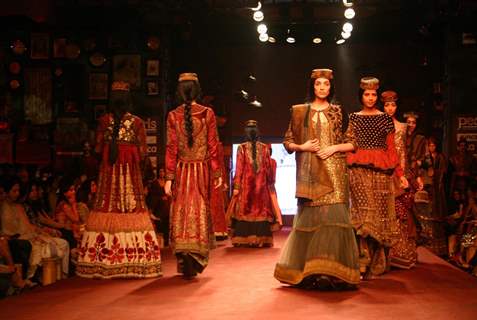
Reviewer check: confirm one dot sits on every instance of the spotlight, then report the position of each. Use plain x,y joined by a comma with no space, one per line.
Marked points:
340,41
243,95
262,28
251,78
258,16
290,38
347,3
255,103
263,37
258,7
347,27
272,39
317,40
349,13
345,34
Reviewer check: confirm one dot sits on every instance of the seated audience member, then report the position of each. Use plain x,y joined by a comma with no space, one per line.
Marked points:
67,212
468,231
453,221
15,223
10,273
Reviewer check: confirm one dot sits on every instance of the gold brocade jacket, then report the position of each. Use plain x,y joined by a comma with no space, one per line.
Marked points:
312,178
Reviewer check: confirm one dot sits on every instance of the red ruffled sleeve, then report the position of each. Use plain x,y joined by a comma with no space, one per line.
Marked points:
212,143
171,147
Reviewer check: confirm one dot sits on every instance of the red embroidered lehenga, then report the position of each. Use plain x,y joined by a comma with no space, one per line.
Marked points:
190,169
119,241
252,210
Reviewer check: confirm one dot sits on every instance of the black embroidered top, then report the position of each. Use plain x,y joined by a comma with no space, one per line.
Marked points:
371,131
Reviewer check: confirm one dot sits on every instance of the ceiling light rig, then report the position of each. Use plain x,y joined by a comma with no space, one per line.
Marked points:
344,34
262,29
347,28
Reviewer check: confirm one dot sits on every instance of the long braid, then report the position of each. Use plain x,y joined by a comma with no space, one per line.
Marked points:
189,127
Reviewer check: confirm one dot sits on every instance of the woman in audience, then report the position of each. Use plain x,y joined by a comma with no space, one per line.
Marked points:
15,223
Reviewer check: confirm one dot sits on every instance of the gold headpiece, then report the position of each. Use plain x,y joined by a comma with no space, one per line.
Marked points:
120,86
251,123
322,73
389,96
411,114
188,76
369,83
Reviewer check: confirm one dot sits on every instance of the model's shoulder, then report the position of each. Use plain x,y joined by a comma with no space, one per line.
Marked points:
302,106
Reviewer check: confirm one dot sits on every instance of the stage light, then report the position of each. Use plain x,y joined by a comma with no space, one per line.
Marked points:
347,3
317,40
340,41
258,16
255,103
345,34
347,27
262,28
349,13
272,39
290,37
258,7
263,37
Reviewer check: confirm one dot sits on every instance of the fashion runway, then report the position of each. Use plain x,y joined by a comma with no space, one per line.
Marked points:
239,284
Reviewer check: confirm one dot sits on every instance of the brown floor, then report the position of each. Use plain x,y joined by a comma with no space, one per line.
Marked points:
239,284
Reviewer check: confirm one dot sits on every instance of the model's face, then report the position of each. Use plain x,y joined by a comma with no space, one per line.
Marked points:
34,193
70,193
322,88
432,147
369,98
94,187
14,192
411,124
390,108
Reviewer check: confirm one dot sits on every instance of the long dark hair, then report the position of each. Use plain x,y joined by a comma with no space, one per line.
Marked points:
310,96
252,135
64,186
360,97
119,104
188,91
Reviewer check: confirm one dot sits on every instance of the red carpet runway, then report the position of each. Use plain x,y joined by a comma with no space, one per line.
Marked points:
239,284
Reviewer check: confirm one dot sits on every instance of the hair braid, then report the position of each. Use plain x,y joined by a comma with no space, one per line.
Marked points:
188,124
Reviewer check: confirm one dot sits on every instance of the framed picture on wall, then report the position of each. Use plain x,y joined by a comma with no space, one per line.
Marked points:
127,67
98,86
59,48
152,68
40,46
152,88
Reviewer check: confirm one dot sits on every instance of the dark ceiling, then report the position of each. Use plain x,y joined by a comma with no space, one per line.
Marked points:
230,21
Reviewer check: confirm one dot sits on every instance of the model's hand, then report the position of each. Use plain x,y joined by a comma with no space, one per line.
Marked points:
403,182
236,192
327,152
167,188
310,146
218,182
